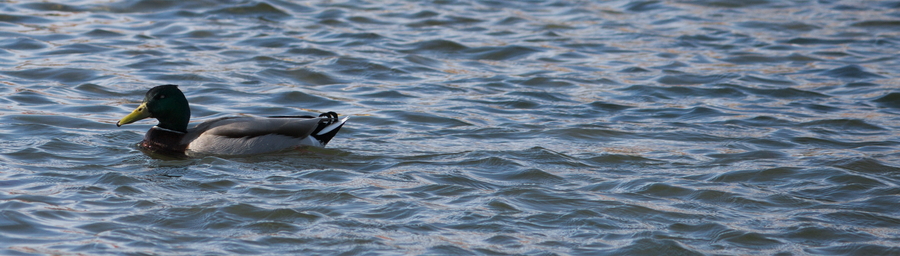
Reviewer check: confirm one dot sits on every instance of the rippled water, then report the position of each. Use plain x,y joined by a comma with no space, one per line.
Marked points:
477,127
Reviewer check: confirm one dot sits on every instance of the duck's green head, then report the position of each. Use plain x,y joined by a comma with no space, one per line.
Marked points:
165,103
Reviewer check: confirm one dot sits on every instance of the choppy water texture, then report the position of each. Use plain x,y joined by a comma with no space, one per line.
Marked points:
477,127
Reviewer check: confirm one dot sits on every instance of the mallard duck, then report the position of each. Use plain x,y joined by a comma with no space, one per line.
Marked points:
227,135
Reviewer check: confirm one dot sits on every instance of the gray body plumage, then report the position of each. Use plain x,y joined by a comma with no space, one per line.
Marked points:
254,135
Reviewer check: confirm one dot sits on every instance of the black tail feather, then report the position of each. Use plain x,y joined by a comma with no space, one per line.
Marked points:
326,137
329,118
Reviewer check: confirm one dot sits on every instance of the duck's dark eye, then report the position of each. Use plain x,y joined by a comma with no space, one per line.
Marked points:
161,96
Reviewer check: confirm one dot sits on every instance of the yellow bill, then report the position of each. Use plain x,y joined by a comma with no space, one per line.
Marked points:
139,113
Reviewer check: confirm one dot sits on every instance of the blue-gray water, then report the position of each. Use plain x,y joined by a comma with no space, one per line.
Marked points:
477,127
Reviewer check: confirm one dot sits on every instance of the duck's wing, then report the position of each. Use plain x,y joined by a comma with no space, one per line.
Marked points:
248,127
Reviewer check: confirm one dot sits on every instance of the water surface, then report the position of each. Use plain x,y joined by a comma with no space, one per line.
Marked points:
477,127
